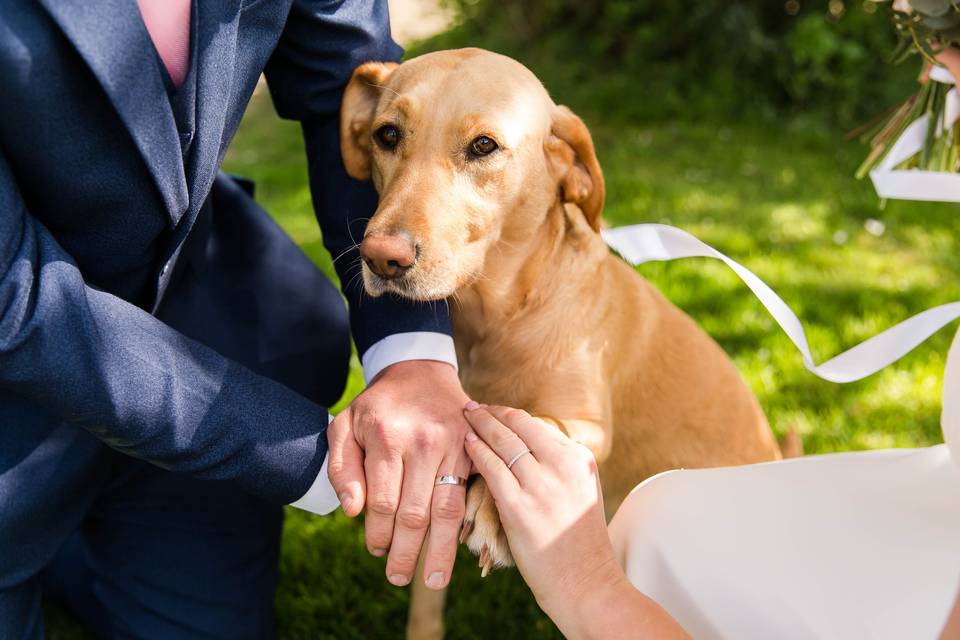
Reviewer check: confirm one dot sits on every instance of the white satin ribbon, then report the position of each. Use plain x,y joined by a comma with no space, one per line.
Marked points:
656,242
914,184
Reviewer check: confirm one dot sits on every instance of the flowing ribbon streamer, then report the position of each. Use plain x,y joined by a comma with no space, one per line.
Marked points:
914,184
657,242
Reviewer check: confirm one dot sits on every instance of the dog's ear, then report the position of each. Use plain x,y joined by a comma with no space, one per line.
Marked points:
574,164
356,114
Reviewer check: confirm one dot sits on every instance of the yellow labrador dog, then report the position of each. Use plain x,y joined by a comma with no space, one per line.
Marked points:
490,197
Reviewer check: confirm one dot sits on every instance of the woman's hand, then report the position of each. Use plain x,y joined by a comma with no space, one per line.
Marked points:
552,512
549,501
950,58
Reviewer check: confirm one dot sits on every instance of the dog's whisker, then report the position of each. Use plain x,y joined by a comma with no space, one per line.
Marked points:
456,299
481,276
346,251
350,233
357,278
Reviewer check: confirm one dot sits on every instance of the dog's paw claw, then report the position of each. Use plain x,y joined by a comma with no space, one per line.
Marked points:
485,563
466,530
482,532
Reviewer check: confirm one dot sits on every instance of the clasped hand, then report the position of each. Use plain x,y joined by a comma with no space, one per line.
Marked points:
387,450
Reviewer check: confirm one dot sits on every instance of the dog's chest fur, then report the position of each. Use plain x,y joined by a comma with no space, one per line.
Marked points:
533,347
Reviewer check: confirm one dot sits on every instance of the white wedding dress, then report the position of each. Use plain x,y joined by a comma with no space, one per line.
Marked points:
847,545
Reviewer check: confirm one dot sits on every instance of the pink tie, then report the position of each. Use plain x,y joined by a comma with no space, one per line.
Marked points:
168,22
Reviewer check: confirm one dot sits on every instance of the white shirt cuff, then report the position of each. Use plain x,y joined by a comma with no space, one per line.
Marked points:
320,498
413,345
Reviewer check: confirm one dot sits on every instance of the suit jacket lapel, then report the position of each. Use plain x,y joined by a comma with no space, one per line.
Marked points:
111,38
216,44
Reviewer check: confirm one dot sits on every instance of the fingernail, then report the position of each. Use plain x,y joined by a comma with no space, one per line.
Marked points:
346,500
398,580
378,553
471,436
470,406
435,580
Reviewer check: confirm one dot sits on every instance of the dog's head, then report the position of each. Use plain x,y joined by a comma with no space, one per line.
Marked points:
465,148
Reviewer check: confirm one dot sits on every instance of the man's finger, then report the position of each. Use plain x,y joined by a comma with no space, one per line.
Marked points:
413,518
384,470
446,516
345,465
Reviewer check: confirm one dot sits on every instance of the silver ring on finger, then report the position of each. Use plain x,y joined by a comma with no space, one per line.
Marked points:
452,480
516,457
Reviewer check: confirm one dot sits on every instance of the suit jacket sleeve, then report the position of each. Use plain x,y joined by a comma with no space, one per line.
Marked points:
146,390
322,44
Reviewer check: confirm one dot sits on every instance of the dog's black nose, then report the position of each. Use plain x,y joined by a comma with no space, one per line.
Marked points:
388,256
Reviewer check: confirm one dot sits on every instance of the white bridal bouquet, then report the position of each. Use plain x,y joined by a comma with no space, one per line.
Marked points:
916,143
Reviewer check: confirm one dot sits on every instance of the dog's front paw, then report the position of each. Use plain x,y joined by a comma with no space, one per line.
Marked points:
482,532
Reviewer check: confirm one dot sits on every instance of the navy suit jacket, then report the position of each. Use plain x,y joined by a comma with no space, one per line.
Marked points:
126,273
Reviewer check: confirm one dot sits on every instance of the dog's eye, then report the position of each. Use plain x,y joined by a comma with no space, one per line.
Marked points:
482,146
387,136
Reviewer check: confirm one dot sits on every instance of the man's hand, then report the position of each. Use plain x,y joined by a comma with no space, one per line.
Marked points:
387,450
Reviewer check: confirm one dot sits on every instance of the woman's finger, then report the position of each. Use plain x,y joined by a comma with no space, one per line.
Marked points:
505,443
501,481
541,436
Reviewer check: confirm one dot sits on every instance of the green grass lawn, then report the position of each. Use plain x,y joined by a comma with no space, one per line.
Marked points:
777,196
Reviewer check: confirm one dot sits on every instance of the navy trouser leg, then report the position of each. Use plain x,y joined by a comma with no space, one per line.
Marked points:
20,617
169,557
50,474
69,579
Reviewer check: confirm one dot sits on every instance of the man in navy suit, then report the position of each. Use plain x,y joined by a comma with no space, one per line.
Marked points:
166,352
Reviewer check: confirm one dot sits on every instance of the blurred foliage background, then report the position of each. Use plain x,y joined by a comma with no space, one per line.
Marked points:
709,58
723,117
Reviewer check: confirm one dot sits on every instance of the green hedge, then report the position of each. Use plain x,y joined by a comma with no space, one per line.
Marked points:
661,58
